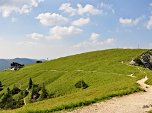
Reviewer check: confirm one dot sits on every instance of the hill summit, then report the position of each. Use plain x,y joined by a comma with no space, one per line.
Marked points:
73,81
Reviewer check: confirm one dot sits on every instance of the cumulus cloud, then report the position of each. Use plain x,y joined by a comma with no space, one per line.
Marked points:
56,33
66,7
94,41
50,19
129,21
149,23
90,9
110,41
80,10
36,36
7,7
59,32
81,22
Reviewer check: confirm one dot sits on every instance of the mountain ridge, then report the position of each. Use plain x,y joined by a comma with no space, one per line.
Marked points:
5,63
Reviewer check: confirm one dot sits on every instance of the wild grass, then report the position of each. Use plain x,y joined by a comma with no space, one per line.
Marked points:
105,72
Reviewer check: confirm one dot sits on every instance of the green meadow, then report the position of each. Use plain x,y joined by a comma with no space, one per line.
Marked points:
105,72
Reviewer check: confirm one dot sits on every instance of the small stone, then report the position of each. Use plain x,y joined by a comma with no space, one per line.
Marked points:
145,106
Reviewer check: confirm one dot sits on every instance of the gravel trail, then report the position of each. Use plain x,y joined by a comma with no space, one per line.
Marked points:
140,102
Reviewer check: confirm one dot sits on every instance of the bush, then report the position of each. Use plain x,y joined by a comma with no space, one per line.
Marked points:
35,93
7,97
44,94
1,88
24,93
39,61
15,90
81,84
19,103
138,61
7,100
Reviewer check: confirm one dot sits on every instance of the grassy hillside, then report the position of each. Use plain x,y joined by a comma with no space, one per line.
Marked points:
106,73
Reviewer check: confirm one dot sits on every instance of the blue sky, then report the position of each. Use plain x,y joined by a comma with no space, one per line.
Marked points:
55,28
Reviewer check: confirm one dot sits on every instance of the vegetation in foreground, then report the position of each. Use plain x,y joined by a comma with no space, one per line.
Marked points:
105,74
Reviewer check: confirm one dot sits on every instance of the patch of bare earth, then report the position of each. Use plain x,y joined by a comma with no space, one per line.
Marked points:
134,103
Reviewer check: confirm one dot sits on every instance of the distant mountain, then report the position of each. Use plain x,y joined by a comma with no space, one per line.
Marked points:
5,63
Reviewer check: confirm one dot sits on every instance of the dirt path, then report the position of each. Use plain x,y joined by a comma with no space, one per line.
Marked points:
135,103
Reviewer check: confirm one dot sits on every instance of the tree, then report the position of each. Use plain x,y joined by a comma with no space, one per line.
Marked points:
39,61
30,83
1,86
44,92
35,92
15,90
24,93
7,100
7,97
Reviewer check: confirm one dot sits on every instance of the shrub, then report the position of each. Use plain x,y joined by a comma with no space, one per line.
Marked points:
44,93
15,90
7,100
24,93
19,103
35,93
39,61
138,61
81,84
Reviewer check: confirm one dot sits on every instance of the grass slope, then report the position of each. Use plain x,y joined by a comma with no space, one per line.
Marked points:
103,71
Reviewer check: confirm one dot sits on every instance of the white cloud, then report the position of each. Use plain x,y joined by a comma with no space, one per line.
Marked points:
81,22
150,4
7,7
59,32
94,38
149,23
56,33
110,41
80,10
129,21
66,7
125,21
90,9
94,41
36,36
50,19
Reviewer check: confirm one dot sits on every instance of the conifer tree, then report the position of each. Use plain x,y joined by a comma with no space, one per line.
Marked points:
7,100
32,93
1,86
30,83
44,92
15,90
